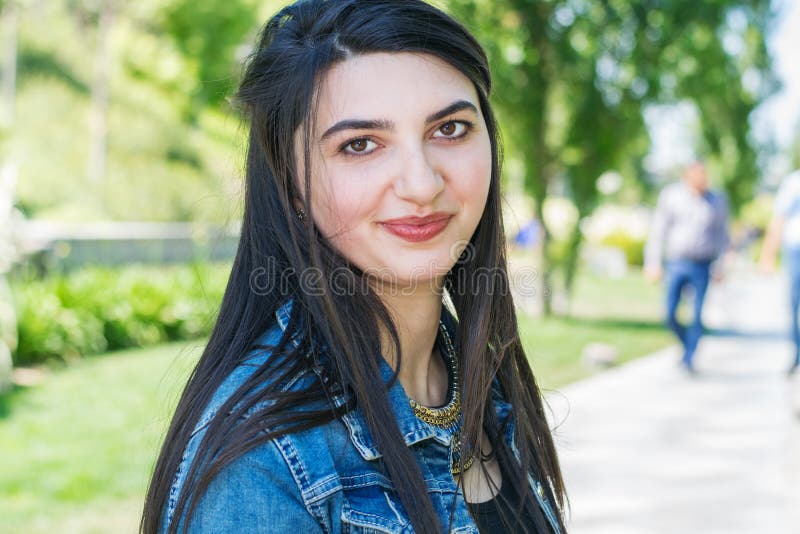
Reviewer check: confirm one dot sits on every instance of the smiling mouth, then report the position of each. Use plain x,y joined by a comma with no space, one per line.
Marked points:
416,233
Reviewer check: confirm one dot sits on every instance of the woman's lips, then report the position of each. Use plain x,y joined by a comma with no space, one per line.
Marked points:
418,232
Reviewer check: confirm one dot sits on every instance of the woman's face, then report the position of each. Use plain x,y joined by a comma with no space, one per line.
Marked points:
398,136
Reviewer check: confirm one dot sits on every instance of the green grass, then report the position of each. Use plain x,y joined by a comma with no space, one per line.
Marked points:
76,449
625,313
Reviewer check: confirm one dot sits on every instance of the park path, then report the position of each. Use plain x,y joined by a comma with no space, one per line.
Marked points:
647,449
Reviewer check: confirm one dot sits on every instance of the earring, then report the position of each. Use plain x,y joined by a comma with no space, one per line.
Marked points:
301,214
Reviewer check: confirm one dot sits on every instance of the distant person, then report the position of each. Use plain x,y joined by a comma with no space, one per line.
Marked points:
784,233
689,233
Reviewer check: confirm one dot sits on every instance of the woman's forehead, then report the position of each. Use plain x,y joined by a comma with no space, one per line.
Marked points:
390,86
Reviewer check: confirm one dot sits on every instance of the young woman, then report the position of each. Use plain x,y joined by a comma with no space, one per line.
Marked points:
365,373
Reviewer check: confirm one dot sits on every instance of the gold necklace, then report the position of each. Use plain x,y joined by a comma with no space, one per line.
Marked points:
447,417
455,457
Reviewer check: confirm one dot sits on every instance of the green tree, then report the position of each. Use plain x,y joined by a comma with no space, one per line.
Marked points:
101,15
208,34
573,78
112,63
9,21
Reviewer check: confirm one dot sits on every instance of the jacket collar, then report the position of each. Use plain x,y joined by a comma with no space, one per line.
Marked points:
413,429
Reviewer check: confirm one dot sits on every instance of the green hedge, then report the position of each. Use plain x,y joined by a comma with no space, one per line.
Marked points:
98,309
632,246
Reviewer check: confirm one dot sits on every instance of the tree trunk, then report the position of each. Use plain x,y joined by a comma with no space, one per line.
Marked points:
546,293
539,167
9,21
571,262
98,110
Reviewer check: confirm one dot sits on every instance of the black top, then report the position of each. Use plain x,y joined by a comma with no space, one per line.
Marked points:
489,515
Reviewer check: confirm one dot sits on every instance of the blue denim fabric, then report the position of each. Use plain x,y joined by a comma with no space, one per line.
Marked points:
329,478
791,256
679,274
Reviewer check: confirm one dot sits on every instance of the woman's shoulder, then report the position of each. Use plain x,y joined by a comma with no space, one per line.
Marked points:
255,463
256,492
280,483
261,349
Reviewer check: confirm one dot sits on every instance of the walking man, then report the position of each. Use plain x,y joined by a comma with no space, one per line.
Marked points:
688,234
784,229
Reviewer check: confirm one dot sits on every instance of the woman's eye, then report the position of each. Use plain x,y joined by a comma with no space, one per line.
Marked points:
452,129
359,147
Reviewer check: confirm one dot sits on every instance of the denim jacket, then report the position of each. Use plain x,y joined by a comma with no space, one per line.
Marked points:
328,478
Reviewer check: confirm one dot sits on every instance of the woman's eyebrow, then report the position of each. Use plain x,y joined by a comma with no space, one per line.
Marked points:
359,124
458,105
356,124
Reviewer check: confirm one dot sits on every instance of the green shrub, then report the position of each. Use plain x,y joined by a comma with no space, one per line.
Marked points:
558,251
98,309
757,212
632,246
47,329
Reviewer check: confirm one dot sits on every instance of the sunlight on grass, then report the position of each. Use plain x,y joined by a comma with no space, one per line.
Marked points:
624,313
82,442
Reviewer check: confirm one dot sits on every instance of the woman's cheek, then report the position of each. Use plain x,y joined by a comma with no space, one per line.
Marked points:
472,179
346,202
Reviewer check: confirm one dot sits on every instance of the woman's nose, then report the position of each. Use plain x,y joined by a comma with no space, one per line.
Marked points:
419,179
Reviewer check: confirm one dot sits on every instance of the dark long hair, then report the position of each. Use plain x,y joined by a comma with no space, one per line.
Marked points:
278,95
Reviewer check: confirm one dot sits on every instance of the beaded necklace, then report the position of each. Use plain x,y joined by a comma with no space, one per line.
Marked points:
447,417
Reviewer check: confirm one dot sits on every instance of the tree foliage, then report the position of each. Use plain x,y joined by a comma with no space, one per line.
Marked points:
573,78
170,142
208,34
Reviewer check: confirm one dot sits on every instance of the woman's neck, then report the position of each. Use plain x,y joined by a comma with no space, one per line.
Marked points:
423,373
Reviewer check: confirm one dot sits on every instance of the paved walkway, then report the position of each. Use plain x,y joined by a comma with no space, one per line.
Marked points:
646,449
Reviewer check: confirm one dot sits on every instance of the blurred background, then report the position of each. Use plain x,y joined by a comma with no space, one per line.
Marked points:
121,162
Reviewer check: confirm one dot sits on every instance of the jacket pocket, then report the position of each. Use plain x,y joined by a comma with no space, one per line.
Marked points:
373,509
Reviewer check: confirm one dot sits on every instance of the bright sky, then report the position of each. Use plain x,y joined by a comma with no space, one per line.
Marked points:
780,115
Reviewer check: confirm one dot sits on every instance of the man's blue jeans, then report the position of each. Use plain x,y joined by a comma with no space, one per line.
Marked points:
679,274
791,257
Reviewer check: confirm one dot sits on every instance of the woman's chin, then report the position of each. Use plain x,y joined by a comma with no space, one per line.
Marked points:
409,281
